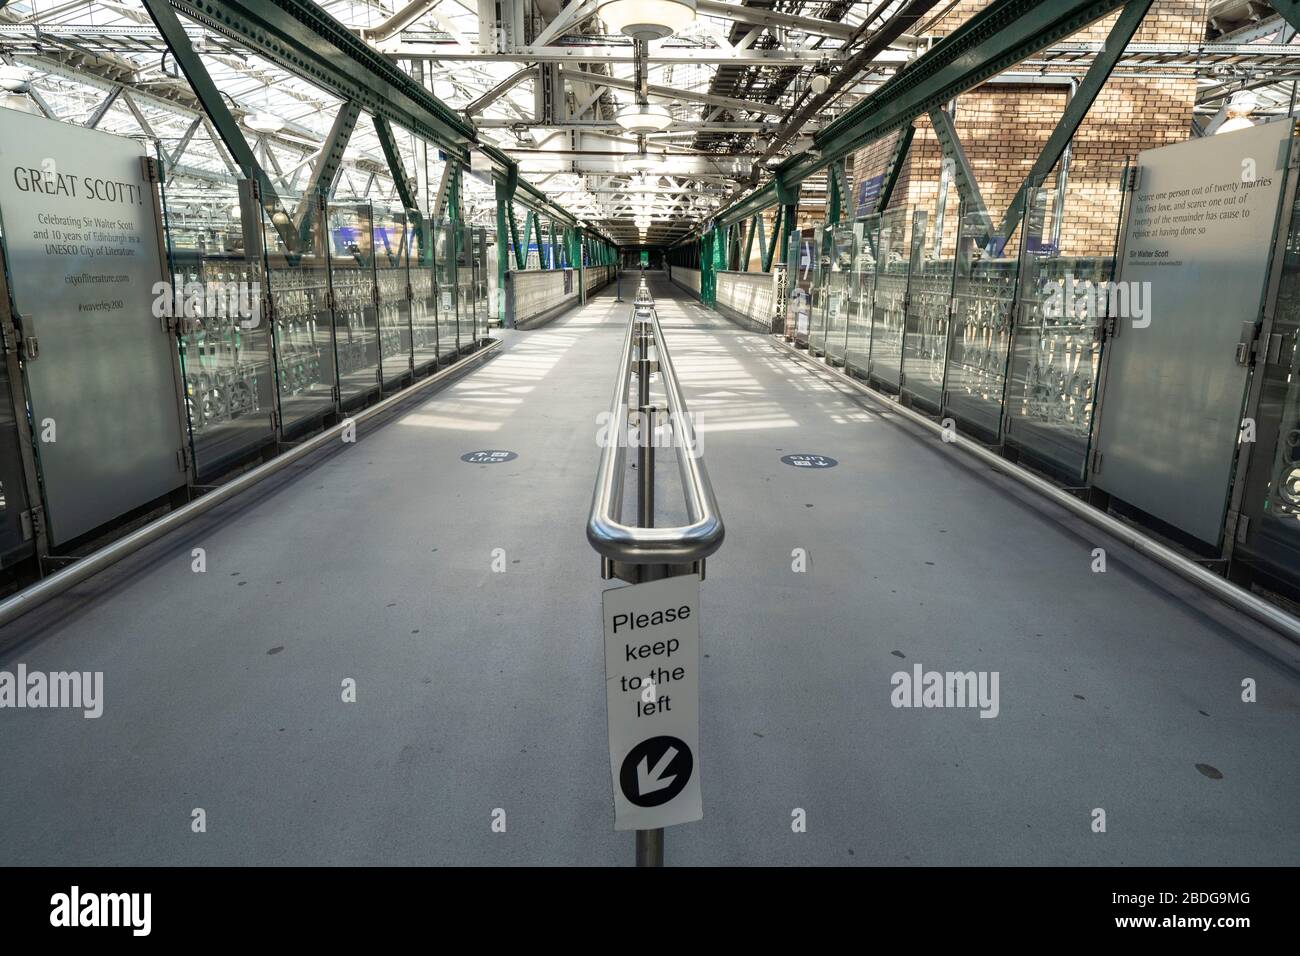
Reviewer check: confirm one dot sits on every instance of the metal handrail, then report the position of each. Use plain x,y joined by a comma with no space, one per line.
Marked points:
606,531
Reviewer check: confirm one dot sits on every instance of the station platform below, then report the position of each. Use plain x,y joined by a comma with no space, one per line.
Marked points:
463,601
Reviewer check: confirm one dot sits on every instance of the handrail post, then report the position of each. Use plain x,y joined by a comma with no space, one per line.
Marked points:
645,553
649,843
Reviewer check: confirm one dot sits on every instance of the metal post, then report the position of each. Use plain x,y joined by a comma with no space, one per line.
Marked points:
627,552
645,502
649,843
650,847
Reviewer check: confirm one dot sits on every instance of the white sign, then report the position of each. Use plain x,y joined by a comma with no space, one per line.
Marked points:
652,695
81,241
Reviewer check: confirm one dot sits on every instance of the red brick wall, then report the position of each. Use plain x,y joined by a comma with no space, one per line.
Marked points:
1003,128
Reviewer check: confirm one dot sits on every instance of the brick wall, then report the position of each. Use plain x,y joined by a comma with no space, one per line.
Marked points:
1004,127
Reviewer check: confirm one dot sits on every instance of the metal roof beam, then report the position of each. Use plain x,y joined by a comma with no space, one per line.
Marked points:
671,93
770,18
453,53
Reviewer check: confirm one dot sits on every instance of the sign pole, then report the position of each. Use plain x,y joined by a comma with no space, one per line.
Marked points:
649,843
652,627
650,847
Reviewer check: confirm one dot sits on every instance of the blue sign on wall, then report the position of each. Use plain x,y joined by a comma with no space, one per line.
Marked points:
868,193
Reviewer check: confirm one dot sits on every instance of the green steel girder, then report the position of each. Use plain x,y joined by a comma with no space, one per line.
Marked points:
768,251
993,40
755,225
895,167
299,36
407,190
755,202
178,41
520,259
1290,10
789,221
1126,24
325,167
503,243
837,180
949,143
537,234
457,213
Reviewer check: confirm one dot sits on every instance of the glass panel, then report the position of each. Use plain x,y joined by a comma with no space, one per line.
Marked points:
481,282
798,272
858,353
490,279
929,297
424,301
445,272
391,243
840,290
1056,348
225,346
298,284
13,491
465,285
821,267
352,278
983,294
1271,503
888,316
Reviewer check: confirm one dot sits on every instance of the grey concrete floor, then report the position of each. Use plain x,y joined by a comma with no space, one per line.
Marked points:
479,690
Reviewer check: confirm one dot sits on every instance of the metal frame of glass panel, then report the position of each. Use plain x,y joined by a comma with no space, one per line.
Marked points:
841,287
889,311
444,260
298,287
929,304
822,239
391,244
857,354
798,279
465,287
225,344
424,299
16,533
984,295
1267,535
1056,345
481,272
352,286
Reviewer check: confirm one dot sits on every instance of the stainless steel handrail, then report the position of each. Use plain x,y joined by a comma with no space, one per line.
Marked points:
605,528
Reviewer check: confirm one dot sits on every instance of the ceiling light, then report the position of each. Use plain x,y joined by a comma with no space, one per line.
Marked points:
642,162
647,19
14,79
264,121
1238,110
644,118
